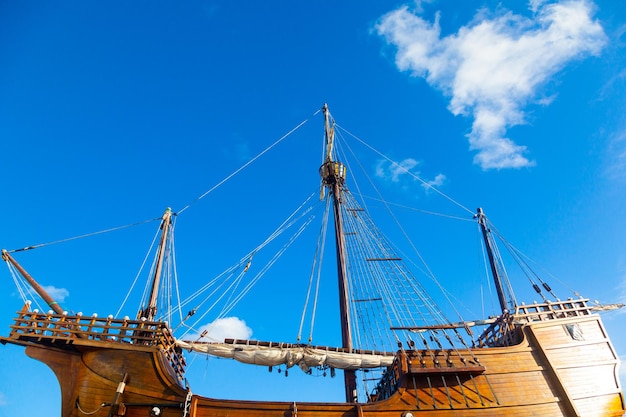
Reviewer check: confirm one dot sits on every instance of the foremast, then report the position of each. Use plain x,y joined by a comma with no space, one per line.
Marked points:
149,311
333,175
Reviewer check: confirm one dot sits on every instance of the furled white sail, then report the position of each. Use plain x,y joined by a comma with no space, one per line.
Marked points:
304,356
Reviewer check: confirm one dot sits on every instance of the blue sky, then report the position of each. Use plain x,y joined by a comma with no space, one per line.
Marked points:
111,112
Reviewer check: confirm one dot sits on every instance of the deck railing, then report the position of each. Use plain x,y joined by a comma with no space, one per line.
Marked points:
552,310
388,384
59,329
503,331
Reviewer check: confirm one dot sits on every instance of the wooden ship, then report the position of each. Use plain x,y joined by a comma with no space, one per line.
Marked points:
548,358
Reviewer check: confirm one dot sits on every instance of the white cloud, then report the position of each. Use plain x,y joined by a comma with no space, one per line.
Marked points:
493,67
58,294
438,181
225,328
395,171
392,171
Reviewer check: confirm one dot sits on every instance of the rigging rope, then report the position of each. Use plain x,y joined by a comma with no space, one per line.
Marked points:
229,306
429,273
23,288
319,268
424,183
291,219
397,294
238,170
41,245
433,213
522,261
297,215
143,264
395,306
486,270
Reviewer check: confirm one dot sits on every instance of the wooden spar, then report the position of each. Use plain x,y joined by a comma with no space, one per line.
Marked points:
38,288
149,312
459,325
482,221
333,176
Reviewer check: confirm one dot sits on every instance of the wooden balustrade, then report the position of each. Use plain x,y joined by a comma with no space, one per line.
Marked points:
59,329
503,331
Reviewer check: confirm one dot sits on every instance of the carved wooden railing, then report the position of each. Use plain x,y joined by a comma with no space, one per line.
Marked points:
503,332
64,329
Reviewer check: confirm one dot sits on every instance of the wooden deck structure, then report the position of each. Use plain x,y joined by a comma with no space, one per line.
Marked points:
548,359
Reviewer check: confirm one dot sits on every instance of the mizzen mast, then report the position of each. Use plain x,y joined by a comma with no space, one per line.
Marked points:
333,175
149,312
497,271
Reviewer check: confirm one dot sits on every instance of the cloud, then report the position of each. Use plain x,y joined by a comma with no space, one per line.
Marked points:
57,294
225,328
438,181
395,171
392,171
494,66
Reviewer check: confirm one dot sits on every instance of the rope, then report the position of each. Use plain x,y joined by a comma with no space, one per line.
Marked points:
237,171
428,272
143,264
319,268
424,183
318,253
522,260
227,308
432,213
227,275
399,289
88,413
292,219
18,282
82,236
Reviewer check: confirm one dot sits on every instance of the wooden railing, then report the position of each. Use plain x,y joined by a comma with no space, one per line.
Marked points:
388,384
59,329
499,333
503,332
552,310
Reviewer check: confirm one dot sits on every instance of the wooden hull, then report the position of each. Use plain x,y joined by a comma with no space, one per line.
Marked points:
549,373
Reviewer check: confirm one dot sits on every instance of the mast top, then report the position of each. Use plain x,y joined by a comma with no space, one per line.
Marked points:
329,129
332,172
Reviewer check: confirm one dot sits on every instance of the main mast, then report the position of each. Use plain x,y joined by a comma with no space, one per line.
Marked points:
333,177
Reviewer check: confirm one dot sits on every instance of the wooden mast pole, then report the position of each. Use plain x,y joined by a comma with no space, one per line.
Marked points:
34,284
333,177
482,221
149,312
